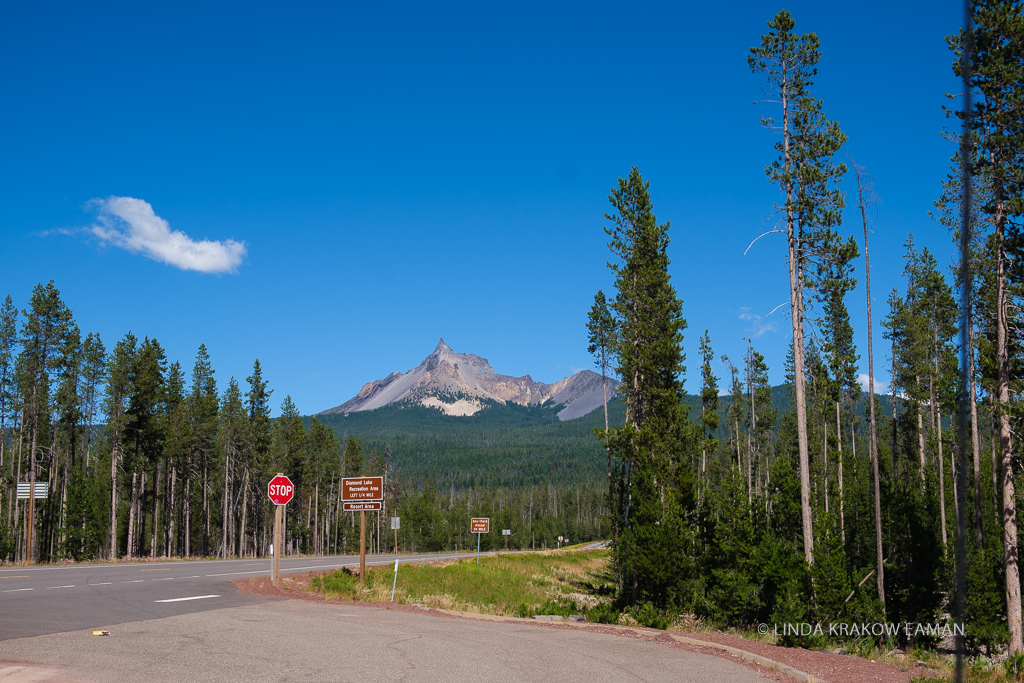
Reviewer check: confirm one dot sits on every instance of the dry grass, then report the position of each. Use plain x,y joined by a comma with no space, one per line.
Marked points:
552,582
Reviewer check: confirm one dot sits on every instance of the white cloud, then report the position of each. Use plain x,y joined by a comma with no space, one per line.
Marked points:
880,386
758,325
131,224
58,231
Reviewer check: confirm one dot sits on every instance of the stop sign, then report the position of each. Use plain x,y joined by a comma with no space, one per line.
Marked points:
280,490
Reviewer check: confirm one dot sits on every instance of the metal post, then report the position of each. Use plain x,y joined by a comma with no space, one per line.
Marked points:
478,548
393,585
31,514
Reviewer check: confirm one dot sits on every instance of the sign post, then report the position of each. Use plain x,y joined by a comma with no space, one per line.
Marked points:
280,490
506,533
478,526
396,524
361,493
394,584
31,516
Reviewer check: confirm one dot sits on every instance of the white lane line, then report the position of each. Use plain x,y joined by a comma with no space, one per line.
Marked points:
17,590
166,578
48,587
194,597
289,569
108,583
135,581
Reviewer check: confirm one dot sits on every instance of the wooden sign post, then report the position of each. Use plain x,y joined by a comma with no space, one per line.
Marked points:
30,491
280,490
360,493
478,526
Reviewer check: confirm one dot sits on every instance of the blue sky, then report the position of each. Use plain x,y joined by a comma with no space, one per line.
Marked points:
369,177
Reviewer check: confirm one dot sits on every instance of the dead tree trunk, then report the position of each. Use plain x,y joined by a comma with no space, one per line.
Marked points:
1010,559
880,569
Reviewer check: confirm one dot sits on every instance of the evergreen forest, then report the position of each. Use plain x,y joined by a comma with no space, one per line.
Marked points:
839,508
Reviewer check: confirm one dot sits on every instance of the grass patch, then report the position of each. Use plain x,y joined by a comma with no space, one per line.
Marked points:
520,585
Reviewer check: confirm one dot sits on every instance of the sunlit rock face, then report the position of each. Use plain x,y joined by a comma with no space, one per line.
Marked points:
457,383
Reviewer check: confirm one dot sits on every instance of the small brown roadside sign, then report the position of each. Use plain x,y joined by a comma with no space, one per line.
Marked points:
362,488
480,525
356,507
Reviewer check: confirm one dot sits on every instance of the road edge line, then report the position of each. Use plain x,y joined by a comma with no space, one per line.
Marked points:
760,660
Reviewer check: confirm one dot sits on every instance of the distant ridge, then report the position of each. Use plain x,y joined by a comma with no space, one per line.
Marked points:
462,383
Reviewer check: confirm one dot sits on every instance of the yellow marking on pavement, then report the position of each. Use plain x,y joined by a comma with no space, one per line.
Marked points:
251,564
155,570
21,576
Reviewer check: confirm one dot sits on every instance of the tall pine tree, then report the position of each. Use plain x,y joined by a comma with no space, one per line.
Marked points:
655,478
805,173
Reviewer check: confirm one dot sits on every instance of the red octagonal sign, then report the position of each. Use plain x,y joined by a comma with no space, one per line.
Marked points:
280,490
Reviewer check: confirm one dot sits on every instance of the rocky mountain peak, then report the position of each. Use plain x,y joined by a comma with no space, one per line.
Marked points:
459,383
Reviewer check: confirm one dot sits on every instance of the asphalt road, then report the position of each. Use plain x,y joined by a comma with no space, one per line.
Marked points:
174,621
53,599
293,640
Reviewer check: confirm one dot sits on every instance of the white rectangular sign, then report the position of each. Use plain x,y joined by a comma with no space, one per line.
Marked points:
24,490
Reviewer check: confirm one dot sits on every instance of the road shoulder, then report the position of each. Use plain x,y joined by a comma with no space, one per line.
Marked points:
781,663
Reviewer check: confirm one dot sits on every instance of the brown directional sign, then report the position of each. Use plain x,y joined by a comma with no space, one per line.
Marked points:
362,488
368,505
479,525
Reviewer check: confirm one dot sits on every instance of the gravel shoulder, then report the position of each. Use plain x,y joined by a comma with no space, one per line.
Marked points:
816,665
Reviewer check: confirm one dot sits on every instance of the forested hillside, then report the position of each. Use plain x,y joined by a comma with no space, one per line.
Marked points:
504,445
508,445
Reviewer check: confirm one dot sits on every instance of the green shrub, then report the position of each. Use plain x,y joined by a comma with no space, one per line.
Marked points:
560,608
603,614
650,616
1015,666
341,583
